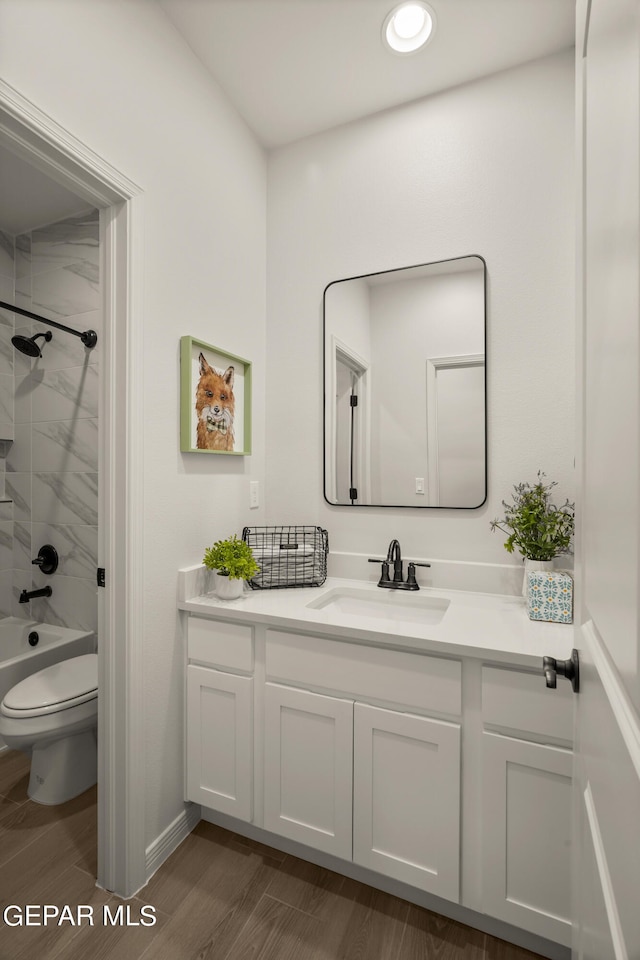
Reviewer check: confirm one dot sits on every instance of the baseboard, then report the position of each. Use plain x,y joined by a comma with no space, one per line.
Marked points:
171,838
454,911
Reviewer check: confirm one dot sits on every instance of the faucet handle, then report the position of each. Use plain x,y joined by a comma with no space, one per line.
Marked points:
384,573
47,559
411,574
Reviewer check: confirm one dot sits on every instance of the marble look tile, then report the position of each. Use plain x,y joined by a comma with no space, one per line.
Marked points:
76,543
73,603
7,293
23,391
7,255
18,489
65,394
64,497
65,350
6,399
18,459
6,349
22,550
23,288
66,292
75,240
6,584
65,445
6,509
6,545
23,256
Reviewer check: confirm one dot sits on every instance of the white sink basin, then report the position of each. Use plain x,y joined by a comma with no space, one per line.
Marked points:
388,604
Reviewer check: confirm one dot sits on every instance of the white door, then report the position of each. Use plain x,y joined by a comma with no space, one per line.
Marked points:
308,773
220,741
406,798
606,873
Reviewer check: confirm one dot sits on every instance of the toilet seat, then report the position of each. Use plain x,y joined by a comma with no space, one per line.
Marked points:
56,688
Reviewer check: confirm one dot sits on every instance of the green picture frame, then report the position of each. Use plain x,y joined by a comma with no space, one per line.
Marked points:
215,400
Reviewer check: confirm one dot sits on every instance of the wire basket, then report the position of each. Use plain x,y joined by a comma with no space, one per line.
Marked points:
294,556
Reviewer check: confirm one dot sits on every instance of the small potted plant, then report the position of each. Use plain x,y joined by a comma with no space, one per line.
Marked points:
234,562
536,526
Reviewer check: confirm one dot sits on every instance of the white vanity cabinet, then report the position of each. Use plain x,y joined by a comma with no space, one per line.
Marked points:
406,798
438,768
219,717
308,759
376,784
526,807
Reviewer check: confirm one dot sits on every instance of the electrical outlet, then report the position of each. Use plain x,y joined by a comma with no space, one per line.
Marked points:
254,494
419,484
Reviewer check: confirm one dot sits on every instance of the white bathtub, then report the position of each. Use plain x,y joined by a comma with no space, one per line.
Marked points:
18,659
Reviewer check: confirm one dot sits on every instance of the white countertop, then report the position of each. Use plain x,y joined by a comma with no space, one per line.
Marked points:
487,626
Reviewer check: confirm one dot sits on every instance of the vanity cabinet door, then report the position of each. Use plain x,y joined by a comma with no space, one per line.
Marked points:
527,835
220,741
406,801
308,755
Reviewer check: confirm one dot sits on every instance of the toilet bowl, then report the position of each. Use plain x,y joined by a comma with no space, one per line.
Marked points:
53,715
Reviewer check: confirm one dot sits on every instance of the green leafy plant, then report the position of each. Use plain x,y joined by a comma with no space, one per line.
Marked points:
537,527
232,558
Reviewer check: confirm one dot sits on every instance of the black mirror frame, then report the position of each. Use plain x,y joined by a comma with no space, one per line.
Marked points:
401,506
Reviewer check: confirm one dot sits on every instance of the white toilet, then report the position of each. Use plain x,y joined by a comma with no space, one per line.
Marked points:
53,715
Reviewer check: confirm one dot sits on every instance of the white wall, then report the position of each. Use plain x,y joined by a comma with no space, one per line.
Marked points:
118,77
486,168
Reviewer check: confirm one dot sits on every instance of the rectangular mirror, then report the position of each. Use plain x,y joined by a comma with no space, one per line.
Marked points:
405,387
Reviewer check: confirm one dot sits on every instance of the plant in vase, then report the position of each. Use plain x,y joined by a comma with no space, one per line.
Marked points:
536,526
234,562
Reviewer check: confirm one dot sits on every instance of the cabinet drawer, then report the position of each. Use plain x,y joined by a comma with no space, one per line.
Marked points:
367,672
220,644
522,701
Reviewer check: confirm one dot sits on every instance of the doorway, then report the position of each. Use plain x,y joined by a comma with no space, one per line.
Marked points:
35,139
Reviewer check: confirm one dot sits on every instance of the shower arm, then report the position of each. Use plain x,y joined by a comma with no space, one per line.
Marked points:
88,337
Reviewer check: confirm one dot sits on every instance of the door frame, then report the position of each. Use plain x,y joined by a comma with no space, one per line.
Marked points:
342,352
28,132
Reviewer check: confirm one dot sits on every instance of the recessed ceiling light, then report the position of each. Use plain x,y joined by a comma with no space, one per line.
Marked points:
408,26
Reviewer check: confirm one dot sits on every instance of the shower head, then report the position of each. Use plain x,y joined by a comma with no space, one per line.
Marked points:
28,345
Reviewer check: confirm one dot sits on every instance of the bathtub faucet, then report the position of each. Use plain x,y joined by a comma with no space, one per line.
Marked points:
27,595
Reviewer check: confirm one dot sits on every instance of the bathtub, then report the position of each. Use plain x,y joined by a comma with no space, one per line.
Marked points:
18,659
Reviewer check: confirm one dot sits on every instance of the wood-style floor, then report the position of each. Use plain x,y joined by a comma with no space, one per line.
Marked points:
218,897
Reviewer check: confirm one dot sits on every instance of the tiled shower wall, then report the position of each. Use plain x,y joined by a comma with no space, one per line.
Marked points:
7,275
52,465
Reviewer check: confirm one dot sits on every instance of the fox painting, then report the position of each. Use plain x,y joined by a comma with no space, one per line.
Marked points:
215,408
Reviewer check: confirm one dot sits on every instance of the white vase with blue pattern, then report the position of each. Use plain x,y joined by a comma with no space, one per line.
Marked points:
550,596
534,566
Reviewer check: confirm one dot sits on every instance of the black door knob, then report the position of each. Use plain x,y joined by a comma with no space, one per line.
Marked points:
565,668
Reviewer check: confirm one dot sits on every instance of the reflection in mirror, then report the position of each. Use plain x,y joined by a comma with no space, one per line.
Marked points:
404,384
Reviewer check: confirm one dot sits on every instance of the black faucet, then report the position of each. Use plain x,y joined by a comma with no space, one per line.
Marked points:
394,556
27,595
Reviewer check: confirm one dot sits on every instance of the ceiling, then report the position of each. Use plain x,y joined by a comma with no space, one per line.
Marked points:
297,67
29,199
